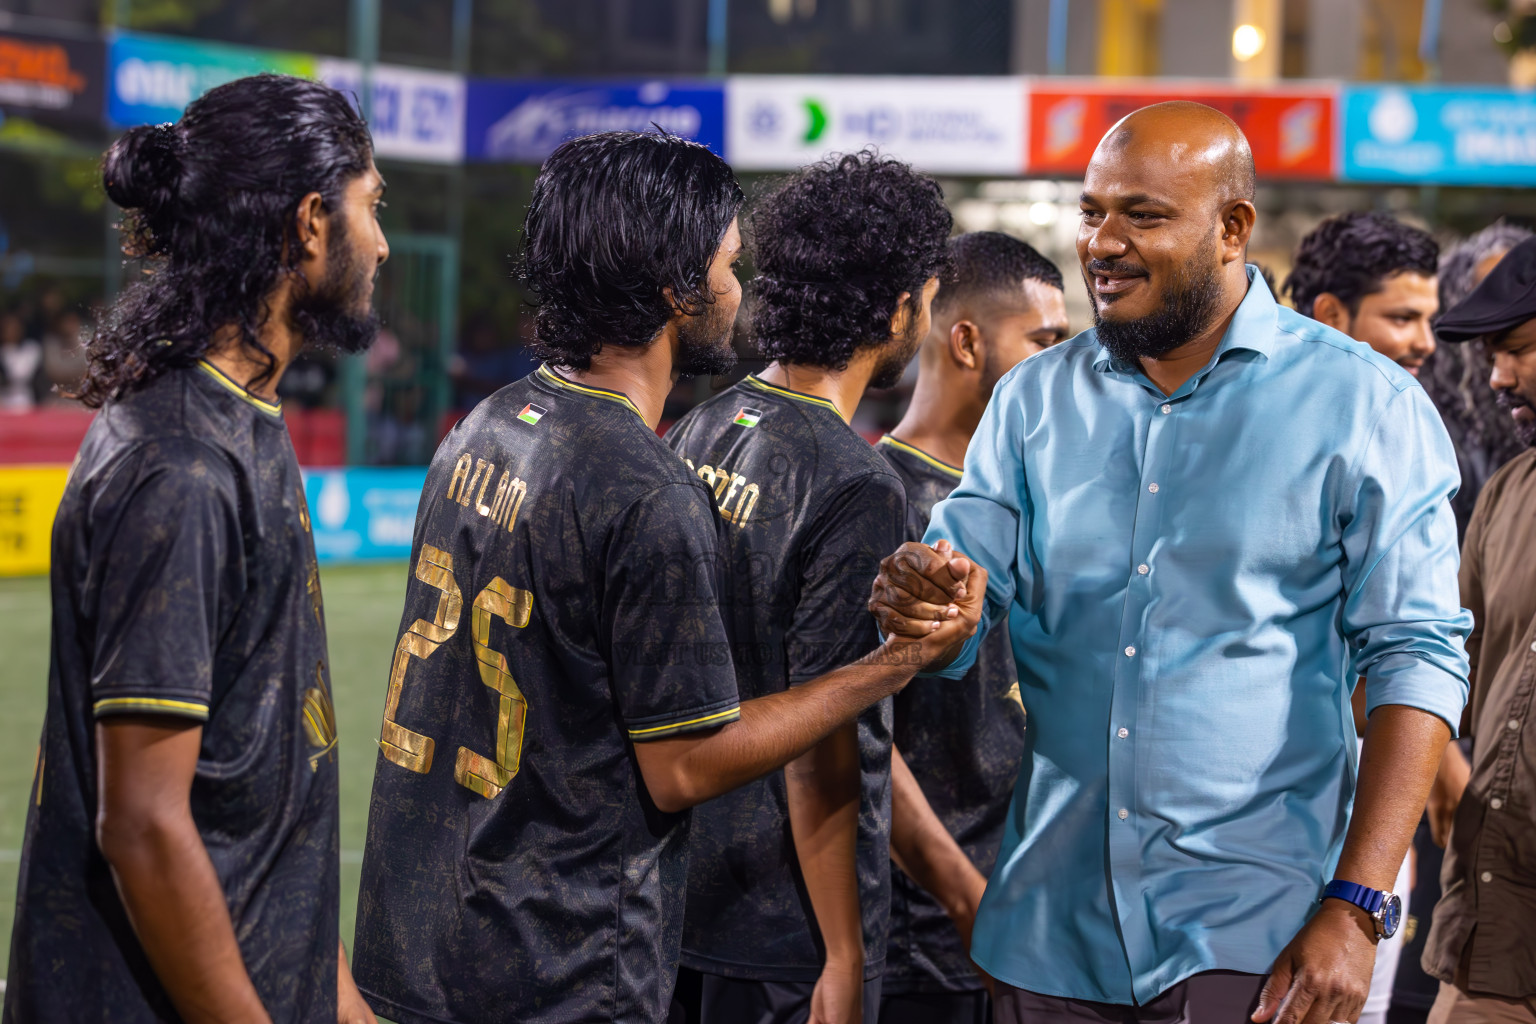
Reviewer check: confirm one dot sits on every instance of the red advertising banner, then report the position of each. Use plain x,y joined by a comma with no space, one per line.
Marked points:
1291,130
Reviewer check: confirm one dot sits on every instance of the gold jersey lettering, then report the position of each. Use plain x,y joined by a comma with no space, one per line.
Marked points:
460,476
507,502
730,487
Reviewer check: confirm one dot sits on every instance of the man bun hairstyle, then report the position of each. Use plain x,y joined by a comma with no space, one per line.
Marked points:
615,219
1352,254
984,264
835,245
209,202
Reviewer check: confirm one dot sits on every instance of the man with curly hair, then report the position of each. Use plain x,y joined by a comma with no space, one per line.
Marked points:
789,881
181,859
562,691
1372,277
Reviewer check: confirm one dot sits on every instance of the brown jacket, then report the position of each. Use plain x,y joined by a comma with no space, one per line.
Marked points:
1486,920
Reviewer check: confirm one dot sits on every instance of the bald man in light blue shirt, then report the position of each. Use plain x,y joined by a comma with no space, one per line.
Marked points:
1205,519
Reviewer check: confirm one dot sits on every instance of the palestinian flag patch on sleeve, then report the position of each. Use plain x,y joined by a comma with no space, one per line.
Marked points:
747,417
531,413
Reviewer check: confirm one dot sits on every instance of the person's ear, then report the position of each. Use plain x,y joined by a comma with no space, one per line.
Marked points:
965,344
1236,229
310,227
1329,309
902,318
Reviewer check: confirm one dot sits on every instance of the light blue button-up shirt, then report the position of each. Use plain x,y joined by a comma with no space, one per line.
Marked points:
1193,583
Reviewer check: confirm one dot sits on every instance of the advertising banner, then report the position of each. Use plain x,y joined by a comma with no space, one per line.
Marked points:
151,79
1450,136
522,121
363,514
59,77
29,498
944,125
415,115
1291,131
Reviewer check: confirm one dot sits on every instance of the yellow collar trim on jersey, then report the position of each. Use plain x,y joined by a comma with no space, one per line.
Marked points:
754,381
549,376
939,464
270,408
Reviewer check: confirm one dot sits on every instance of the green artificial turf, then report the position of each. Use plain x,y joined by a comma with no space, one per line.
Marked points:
362,611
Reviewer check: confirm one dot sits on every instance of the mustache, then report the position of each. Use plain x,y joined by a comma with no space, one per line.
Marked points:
1511,400
1116,268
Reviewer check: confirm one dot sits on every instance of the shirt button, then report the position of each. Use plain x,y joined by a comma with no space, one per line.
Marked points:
1496,803
1126,814
1533,646
1152,488
1167,409
1130,652
1123,733
1142,570
1486,876
1513,724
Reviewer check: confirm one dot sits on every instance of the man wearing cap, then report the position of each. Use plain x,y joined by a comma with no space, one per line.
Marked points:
1482,945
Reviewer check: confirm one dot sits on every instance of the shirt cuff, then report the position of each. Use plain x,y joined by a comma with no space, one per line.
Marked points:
656,727
136,704
963,661
1416,683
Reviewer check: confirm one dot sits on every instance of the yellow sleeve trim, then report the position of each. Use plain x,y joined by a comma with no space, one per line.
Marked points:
186,707
719,718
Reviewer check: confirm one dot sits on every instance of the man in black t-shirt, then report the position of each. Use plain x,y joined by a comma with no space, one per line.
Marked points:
960,742
180,859
789,877
562,691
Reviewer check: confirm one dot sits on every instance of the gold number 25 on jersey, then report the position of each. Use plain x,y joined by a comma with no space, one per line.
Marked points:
487,776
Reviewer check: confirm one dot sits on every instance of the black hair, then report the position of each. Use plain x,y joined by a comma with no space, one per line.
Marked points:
990,263
836,244
209,204
616,218
1352,254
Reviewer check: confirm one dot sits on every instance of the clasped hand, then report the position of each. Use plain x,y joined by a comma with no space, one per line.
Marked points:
933,595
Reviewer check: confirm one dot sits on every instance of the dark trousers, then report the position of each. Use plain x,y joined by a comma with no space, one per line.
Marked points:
1215,997
935,1008
711,999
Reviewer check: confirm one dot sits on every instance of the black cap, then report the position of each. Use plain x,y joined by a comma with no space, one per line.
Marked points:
1505,299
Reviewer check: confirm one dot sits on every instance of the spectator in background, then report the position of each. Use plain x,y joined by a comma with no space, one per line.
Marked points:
484,363
1457,377
63,357
21,359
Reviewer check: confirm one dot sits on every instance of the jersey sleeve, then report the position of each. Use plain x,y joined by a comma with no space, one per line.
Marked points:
671,656
859,524
166,545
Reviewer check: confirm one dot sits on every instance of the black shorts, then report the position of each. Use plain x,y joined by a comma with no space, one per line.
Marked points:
711,999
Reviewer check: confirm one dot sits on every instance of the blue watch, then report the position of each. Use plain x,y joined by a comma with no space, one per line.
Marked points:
1385,908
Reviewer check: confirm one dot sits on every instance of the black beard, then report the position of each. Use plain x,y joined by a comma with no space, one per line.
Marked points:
889,370
1189,306
704,344
336,314
1509,401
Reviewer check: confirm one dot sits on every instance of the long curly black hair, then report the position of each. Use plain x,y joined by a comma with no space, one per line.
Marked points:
209,204
616,218
835,244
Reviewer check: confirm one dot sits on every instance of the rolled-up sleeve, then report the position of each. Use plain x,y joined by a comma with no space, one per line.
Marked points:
987,513
1402,613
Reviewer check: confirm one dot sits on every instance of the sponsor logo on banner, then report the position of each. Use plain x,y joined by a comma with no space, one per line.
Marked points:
414,115
1290,130
363,513
52,76
1442,135
523,121
151,79
957,125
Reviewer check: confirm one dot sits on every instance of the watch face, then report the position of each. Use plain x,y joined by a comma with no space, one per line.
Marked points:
1390,916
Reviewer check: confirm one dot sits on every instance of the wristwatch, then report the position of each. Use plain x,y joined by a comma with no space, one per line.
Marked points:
1385,908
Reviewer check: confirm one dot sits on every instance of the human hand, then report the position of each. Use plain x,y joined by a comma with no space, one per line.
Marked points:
838,997
1324,975
934,596
351,1008
1446,793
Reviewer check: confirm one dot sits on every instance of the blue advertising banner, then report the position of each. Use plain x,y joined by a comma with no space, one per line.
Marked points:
1435,135
151,79
517,121
363,514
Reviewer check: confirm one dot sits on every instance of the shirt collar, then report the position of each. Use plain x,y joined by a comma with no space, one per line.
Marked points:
1252,327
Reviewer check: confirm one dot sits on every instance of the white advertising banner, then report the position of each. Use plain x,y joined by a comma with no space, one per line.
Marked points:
942,125
415,115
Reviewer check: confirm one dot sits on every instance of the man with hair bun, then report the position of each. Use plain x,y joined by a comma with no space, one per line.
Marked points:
563,692
180,860
789,879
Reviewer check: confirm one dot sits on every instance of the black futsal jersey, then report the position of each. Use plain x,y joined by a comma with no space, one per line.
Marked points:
562,607
810,509
184,585
963,740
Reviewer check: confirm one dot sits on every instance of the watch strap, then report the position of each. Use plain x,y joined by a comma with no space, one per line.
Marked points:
1364,897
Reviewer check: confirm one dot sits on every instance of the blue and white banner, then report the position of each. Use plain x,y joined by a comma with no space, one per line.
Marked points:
1439,135
520,121
363,514
415,114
